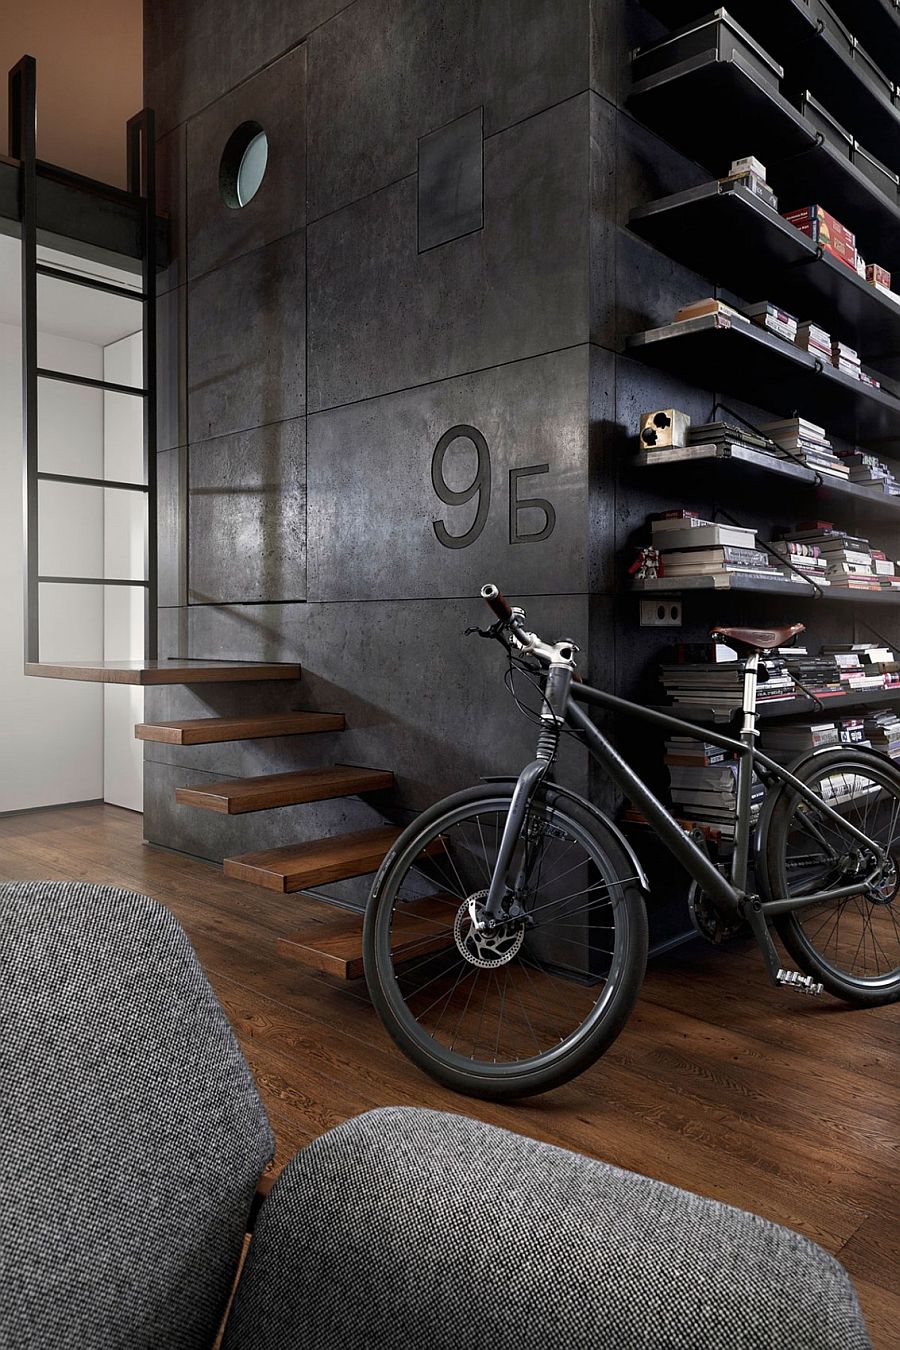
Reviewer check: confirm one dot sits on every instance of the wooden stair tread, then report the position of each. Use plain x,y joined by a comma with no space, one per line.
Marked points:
332,945
316,862
180,670
209,730
235,796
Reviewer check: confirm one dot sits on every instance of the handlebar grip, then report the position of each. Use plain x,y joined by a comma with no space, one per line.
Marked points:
497,601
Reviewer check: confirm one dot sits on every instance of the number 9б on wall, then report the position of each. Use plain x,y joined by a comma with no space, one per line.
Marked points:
480,487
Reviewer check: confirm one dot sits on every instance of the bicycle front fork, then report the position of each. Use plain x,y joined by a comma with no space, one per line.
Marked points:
556,696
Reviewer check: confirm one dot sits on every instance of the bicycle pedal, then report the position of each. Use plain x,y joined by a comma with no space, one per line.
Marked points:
804,984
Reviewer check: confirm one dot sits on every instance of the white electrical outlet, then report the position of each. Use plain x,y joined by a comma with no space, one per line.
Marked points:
661,613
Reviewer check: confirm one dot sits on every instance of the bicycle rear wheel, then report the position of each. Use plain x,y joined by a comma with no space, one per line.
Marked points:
531,1005
850,944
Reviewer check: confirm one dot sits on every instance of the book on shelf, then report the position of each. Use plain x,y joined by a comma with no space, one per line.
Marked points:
702,533
699,309
728,554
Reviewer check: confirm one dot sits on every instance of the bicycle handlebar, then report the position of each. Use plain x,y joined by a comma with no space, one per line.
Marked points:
513,621
497,602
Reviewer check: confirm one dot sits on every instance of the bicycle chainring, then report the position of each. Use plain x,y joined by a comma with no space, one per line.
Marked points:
711,923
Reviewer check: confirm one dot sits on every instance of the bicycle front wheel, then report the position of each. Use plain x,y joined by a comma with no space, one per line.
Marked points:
529,1006
851,944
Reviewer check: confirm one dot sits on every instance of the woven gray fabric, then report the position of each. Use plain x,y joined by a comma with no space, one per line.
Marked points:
131,1133
414,1230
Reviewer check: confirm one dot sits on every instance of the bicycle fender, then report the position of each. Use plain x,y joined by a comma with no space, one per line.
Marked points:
600,816
774,797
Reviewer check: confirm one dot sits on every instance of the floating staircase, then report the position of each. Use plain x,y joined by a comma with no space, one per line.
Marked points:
180,670
329,942
315,863
213,730
236,796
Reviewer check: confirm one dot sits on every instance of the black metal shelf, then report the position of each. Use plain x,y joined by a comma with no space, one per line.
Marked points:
817,56
792,707
743,360
743,460
735,239
877,25
713,109
763,586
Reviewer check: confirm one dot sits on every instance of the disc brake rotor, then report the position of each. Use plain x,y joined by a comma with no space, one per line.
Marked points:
485,950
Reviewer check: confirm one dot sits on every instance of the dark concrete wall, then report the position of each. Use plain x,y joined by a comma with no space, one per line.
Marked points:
440,241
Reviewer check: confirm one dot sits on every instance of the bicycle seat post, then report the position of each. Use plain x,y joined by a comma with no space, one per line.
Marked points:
749,734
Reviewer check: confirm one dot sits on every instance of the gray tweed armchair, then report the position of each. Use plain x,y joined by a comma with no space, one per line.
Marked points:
132,1138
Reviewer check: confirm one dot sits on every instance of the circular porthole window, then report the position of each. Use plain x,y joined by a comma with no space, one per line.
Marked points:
243,164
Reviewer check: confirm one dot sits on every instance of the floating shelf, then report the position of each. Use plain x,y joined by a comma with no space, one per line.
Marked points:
762,586
789,707
737,241
212,730
820,59
175,671
236,796
743,460
743,360
712,110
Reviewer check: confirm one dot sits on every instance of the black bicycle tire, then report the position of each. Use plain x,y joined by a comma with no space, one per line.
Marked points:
853,990
506,1082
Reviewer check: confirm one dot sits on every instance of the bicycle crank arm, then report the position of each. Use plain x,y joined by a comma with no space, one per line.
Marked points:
753,913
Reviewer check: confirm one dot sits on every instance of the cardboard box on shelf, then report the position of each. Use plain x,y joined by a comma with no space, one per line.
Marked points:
823,229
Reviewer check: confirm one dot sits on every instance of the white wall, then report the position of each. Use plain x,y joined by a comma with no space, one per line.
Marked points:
51,731
124,533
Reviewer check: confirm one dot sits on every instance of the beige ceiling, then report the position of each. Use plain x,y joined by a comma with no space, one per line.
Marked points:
89,55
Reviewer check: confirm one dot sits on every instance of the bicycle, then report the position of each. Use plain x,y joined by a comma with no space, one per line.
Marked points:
505,939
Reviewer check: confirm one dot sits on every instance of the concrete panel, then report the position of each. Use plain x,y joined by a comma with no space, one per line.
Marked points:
451,180
171,480
171,369
195,52
170,201
420,698
275,100
383,473
385,72
384,317
248,516
210,835
246,341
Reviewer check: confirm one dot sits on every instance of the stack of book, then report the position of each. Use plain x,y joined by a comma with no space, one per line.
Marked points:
773,320
801,440
724,433
811,338
869,471
785,743
845,359
852,731
801,561
688,753
849,557
883,732
877,664
750,173
692,547
855,676
716,680
816,674
699,309
707,794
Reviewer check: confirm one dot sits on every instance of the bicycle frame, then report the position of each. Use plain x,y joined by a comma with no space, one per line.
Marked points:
561,699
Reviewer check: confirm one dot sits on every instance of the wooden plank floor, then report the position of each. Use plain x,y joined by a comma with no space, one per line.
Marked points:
766,1100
